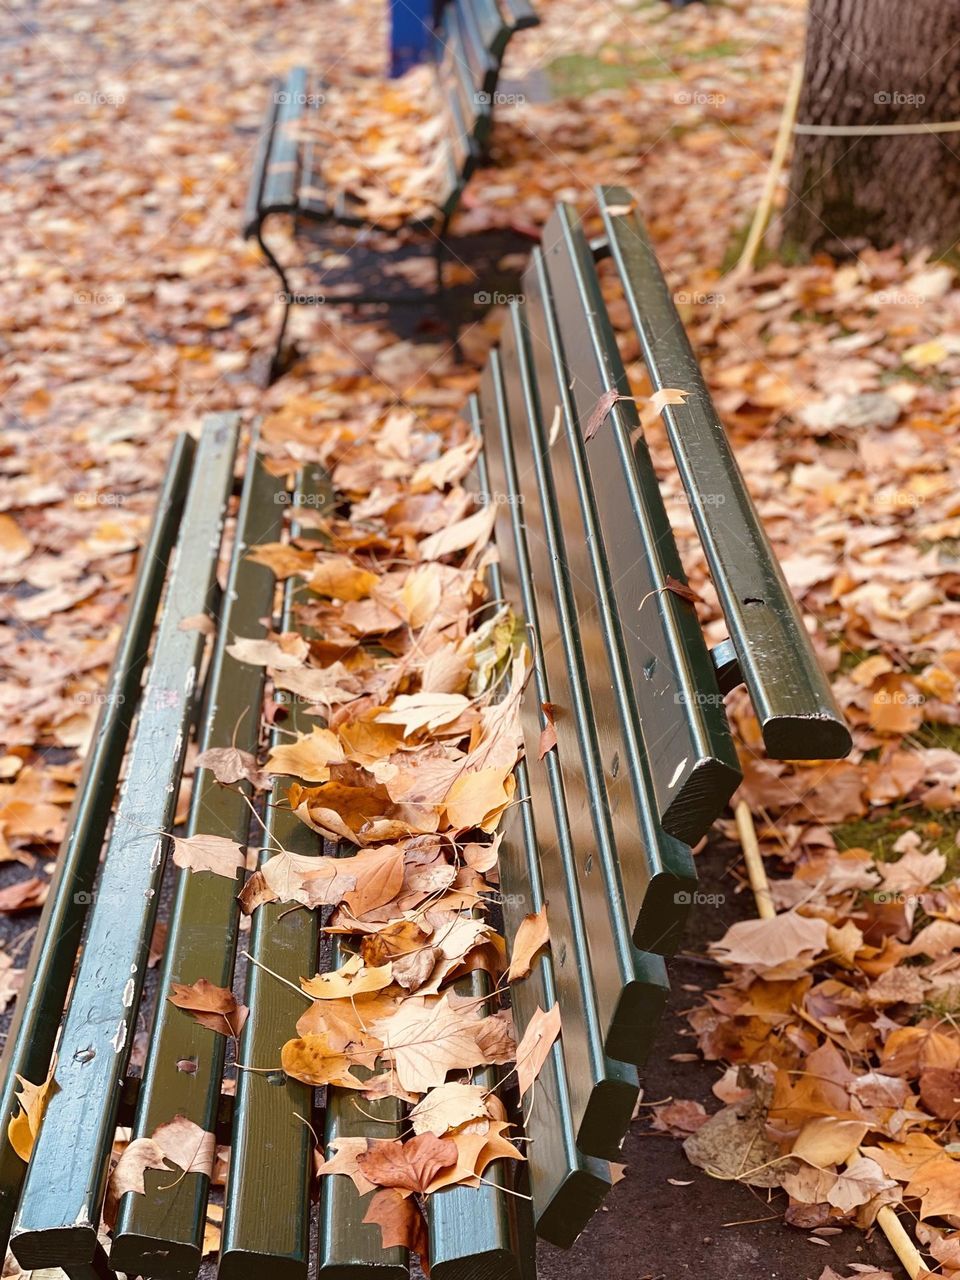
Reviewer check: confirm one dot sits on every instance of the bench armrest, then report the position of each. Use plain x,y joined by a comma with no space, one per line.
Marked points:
792,699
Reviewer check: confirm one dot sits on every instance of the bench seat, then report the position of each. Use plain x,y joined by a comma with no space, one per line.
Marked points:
600,836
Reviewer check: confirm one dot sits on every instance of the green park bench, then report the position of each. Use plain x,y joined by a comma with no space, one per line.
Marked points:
644,762
471,40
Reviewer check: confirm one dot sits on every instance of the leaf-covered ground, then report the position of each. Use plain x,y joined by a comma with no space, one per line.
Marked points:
132,306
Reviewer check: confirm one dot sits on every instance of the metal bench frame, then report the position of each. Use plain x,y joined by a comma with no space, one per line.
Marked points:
644,761
471,39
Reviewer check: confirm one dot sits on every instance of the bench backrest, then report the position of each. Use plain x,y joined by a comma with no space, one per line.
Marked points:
472,38
644,758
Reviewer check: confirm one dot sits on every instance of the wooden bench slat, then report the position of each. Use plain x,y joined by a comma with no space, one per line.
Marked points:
463,40
281,180
252,212
589,974
455,78
347,1245
612,875
566,1185
653,634
798,714
520,14
491,26
160,1234
46,980
472,1232
60,1207
266,1221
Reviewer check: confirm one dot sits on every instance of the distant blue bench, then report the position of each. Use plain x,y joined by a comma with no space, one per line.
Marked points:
471,39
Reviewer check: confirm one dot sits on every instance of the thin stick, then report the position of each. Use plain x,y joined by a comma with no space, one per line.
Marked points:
286,982
777,160
756,871
887,1220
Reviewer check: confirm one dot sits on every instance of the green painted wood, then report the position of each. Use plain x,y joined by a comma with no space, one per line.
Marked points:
565,1185
667,673
520,14
160,1234
470,47
473,1232
587,955
251,210
266,1222
612,872
623,643
60,1207
39,1006
791,696
280,183
349,1248
493,31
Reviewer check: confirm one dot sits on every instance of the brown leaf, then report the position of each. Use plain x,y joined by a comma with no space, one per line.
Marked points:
536,1042
402,1223
230,765
599,414
548,735
214,1007
410,1165
23,1127
447,1107
208,853
533,933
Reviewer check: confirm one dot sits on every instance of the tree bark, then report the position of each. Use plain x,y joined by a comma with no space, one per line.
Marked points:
879,62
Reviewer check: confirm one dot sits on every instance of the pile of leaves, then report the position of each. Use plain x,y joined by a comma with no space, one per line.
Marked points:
414,679
383,144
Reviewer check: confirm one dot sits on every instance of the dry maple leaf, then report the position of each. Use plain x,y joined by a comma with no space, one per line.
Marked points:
209,853
533,933
447,1107
23,1127
413,712
548,734
344,1161
401,1222
214,1007
309,757
230,765
408,1166
535,1043
765,944
426,1038
180,1141
352,979
317,1059
269,653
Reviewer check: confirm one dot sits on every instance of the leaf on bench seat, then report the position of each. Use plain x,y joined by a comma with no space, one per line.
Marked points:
214,1007
208,853
533,933
542,1030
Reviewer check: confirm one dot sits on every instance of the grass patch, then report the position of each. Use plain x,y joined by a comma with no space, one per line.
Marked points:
576,75
879,833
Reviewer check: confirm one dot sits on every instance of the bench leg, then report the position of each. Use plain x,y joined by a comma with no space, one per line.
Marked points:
287,296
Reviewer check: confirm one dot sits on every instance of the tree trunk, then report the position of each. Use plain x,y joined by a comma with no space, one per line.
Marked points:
878,62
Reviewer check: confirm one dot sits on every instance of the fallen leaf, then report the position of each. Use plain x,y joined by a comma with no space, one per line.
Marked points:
209,853
214,1007
533,933
535,1043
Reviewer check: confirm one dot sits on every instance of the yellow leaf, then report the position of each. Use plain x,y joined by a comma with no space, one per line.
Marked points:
309,757
351,979
25,1125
